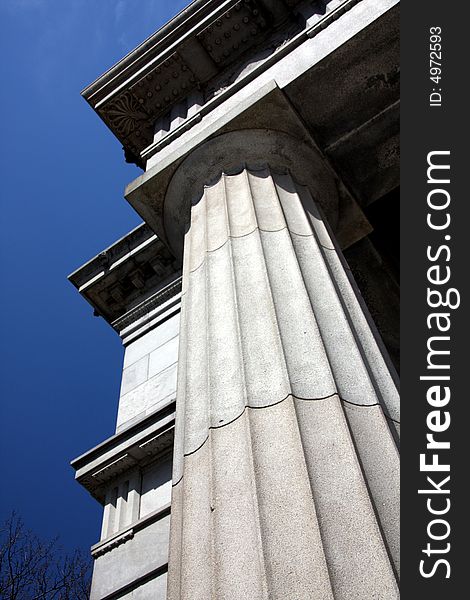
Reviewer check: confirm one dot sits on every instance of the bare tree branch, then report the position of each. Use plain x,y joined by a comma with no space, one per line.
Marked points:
32,569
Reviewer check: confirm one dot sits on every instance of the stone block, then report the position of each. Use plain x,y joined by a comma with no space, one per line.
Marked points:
145,398
151,340
135,558
163,357
134,375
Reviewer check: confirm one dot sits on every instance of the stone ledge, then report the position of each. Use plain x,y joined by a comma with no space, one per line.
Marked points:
133,447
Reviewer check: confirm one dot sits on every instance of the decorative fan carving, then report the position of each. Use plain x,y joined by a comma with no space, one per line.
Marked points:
125,114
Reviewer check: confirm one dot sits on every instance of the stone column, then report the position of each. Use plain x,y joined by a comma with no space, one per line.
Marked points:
286,463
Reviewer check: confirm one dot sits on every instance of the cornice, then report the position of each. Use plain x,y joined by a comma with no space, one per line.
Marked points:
112,254
132,274
339,60
131,448
121,283
192,109
150,304
192,49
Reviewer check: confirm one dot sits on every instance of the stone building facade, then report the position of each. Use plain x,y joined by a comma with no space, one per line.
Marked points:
256,445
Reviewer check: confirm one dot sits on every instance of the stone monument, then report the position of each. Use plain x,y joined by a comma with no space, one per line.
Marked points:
256,446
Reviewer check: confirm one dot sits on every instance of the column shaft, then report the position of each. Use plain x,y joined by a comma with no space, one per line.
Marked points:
286,466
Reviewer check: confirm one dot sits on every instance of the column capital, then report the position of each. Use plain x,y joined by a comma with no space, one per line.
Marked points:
232,152
163,195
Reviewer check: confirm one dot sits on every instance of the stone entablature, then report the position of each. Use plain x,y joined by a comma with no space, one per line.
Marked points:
135,446
150,312
131,277
195,53
159,73
130,473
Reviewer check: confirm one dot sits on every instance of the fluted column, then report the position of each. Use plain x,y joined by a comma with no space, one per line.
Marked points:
286,464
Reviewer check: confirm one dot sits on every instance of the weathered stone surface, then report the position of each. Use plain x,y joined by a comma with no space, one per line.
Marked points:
153,394
134,375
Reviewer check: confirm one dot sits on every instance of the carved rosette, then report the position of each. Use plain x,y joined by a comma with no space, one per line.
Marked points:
133,113
130,120
125,113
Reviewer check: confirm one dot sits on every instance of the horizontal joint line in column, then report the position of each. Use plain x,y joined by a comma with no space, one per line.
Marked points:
237,237
293,396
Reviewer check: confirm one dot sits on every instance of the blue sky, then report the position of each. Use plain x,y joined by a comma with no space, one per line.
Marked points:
62,180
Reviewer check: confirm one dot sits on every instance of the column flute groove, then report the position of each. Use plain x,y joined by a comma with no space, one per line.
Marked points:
255,498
